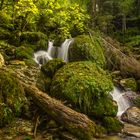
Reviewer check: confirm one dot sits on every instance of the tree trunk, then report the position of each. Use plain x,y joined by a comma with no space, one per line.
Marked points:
128,65
78,124
123,26
93,7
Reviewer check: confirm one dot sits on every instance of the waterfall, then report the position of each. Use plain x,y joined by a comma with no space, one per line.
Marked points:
50,47
63,51
41,57
122,101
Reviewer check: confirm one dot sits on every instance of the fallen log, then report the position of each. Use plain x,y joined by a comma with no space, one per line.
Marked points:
117,60
76,123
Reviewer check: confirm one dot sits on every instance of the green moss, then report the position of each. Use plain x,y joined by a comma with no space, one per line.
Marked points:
112,125
81,133
23,52
84,48
43,82
38,39
12,97
129,83
104,107
47,72
52,66
85,86
137,101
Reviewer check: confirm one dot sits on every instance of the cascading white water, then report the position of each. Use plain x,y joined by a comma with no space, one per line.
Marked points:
122,101
41,57
50,47
63,51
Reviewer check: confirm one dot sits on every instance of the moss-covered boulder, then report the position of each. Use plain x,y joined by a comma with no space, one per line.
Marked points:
84,48
52,66
48,70
137,101
11,98
113,125
129,84
86,87
23,52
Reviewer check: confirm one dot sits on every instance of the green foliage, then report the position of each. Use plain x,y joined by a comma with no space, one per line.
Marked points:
84,85
24,13
37,39
4,34
22,8
5,20
125,5
133,40
12,98
60,20
85,48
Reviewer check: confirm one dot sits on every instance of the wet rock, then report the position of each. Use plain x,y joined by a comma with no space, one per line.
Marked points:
132,115
137,101
131,130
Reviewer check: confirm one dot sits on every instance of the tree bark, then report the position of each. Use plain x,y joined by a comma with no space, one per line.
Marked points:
76,123
128,65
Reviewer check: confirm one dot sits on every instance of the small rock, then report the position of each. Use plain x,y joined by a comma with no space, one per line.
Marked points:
132,115
131,130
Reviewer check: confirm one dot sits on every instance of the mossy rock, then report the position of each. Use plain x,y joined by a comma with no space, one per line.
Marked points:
86,87
137,101
113,125
48,70
12,98
18,53
129,84
43,82
84,48
52,66
23,52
